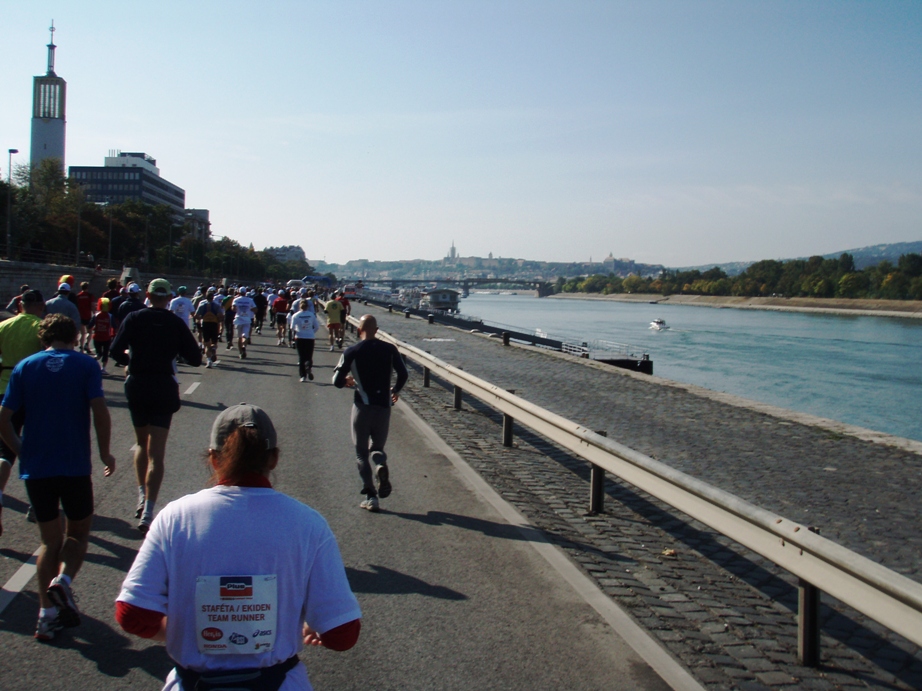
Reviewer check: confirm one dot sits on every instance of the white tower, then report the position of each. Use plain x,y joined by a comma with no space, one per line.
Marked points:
48,108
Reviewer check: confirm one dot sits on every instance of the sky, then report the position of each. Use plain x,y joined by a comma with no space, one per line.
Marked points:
668,132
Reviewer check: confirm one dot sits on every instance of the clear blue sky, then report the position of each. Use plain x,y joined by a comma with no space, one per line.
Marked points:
669,132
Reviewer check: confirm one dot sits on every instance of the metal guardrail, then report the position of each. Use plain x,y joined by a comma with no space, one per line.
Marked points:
883,595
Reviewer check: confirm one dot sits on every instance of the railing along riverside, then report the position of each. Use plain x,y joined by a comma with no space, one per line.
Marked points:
883,595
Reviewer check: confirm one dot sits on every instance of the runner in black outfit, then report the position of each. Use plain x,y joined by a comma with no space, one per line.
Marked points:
155,337
368,366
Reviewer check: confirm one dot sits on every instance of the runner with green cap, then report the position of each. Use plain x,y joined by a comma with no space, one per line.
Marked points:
154,337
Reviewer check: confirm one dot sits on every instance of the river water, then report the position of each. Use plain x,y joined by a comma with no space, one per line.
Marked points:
861,370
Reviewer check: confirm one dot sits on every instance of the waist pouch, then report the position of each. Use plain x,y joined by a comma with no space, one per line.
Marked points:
250,679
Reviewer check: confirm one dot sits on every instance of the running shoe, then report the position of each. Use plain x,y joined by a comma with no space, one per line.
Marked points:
370,504
310,375
303,379
144,524
30,514
331,349
382,475
228,346
47,627
63,598
208,364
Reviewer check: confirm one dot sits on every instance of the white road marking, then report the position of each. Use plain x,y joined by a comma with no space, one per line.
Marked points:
14,586
191,388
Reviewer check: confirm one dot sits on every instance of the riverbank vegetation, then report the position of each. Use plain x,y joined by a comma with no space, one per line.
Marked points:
814,277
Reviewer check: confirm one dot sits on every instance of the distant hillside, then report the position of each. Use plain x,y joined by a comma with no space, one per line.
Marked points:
875,254
864,257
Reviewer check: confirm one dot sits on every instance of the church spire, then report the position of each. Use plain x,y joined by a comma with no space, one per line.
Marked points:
51,47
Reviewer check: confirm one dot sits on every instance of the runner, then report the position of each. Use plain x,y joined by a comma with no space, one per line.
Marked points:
205,544
304,323
155,336
368,366
181,306
208,316
262,305
101,326
227,304
334,311
18,340
57,467
85,308
13,306
279,311
62,304
245,310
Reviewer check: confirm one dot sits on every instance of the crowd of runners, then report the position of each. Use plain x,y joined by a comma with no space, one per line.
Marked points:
47,349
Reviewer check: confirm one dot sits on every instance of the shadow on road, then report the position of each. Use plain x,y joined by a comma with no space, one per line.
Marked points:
384,581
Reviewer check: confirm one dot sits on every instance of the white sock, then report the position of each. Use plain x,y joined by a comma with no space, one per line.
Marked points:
48,612
149,508
64,577
141,492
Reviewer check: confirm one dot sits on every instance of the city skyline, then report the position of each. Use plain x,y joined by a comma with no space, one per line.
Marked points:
672,133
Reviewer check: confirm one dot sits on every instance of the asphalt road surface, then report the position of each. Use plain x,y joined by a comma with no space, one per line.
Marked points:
453,595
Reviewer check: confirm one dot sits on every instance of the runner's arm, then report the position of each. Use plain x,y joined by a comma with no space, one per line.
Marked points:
102,423
118,349
8,432
402,374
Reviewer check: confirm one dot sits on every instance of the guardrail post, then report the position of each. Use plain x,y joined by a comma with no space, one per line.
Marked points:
808,621
597,485
406,314
458,393
505,338
425,377
507,426
390,309
431,319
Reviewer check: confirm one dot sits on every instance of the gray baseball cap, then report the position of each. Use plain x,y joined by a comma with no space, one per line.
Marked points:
242,415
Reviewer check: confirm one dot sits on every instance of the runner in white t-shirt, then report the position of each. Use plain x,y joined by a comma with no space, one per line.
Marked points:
245,310
182,306
226,592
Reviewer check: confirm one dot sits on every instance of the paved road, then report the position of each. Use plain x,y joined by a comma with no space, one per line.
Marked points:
454,597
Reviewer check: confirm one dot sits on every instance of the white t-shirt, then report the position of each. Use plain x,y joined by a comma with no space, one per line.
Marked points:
233,531
245,308
182,307
305,324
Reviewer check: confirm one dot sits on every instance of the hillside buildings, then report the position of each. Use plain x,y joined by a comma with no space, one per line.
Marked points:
287,253
49,107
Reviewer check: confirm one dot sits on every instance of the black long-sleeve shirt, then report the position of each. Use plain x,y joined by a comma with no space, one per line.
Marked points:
371,363
155,337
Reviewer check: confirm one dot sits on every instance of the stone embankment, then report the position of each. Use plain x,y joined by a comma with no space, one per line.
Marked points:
881,308
726,613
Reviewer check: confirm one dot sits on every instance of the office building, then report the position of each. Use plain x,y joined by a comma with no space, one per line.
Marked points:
49,100
129,175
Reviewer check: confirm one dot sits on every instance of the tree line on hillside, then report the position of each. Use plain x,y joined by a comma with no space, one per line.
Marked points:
51,222
815,277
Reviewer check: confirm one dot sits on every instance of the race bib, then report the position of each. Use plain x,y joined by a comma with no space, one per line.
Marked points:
236,615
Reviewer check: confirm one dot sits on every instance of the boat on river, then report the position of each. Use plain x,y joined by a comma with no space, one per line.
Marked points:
659,325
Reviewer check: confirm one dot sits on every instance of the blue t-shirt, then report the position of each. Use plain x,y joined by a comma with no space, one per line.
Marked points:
54,388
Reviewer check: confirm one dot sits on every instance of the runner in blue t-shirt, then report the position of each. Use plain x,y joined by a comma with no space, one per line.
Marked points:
55,459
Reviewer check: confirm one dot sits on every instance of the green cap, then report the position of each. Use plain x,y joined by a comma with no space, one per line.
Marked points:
160,286
181,290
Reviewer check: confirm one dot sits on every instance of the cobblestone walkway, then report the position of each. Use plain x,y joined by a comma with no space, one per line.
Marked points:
729,615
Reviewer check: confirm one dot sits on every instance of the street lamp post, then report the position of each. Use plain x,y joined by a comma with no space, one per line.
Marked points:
9,203
109,209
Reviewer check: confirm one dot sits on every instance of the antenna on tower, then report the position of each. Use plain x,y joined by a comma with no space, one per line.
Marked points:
51,48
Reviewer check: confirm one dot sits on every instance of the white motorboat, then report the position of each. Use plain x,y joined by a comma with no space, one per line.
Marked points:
659,325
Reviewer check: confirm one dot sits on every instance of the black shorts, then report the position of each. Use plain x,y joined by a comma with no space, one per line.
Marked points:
18,419
281,319
152,400
210,332
73,494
